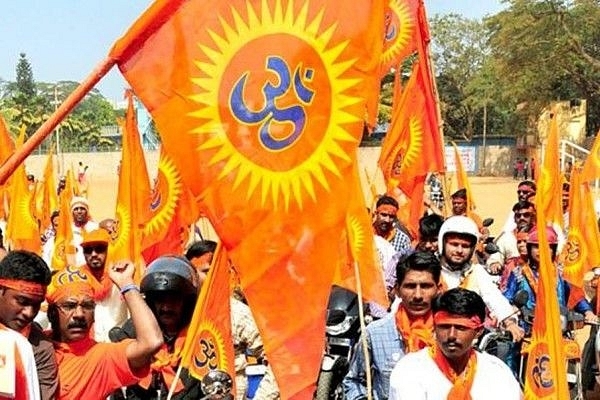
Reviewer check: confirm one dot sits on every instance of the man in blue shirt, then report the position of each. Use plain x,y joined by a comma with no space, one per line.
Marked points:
409,329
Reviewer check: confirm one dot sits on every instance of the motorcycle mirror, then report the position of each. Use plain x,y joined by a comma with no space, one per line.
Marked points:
521,298
216,382
487,222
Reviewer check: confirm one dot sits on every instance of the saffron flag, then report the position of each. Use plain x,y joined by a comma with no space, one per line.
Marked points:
400,33
550,194
63,253
591,166
49,198
132,196
172,211
7,147
462,179
410,137
545,375
261,105
209,343
22,227
581,251
359,246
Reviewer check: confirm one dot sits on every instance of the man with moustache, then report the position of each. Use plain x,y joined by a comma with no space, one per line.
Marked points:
88,369
386,224
451,368
407,330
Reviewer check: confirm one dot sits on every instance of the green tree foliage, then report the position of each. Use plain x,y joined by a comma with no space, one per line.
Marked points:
80,130
548,50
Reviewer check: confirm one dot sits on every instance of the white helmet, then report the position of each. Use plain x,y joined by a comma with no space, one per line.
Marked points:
457,224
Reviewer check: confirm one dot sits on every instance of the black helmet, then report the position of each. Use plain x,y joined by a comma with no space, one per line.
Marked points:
170,274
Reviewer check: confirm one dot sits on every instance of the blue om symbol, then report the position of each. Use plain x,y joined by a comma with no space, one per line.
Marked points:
294,114
71,274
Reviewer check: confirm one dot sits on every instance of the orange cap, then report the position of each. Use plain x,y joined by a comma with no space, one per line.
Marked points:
96,236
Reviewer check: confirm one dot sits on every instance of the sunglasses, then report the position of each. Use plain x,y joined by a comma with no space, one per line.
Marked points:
526,214
522,241
99,248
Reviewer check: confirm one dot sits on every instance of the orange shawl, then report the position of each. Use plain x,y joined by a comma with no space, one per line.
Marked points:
166,363
417,333
461,384
101,288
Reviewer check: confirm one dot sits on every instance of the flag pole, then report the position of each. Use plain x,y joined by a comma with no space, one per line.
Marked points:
59,114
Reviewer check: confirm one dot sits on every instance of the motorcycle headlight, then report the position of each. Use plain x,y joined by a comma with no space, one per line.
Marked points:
342,327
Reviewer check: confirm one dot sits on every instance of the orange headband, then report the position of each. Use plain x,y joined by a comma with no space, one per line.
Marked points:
446,318
71,289
27,287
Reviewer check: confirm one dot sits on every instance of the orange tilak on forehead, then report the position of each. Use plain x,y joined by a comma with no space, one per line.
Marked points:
387,208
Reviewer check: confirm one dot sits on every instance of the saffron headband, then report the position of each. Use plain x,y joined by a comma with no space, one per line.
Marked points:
446,318
27,287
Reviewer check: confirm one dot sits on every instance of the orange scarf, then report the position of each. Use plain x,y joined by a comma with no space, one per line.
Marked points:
464,280
461,384
101,288
166,363
416,333
531,279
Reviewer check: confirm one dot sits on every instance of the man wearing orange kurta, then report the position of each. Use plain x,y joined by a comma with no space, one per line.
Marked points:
87,369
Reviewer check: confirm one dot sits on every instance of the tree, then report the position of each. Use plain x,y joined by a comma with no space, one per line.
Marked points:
545,51
25,83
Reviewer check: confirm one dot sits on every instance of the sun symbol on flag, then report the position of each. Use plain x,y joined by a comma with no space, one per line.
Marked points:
124,228
167,191
415,144
275,102
400,30
209,349
357,236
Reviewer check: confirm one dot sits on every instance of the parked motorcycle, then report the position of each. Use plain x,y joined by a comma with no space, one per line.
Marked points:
342,333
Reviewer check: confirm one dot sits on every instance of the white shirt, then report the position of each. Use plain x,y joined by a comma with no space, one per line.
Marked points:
110,312
478,280
417,377
11,340
78,238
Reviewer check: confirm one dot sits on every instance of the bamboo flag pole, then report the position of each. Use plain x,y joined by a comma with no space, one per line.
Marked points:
57,116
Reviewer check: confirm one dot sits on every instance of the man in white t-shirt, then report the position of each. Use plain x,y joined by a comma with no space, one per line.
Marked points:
18,373
452,368
82,222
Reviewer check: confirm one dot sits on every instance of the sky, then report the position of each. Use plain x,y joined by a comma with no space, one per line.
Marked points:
66,39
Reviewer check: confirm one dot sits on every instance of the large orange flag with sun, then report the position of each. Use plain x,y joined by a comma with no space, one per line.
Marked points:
550,193
7,147
261,105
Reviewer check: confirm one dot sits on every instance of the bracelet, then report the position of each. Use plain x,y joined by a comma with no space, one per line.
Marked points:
129,287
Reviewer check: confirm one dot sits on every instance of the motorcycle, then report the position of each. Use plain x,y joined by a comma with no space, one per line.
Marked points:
342,332
497,342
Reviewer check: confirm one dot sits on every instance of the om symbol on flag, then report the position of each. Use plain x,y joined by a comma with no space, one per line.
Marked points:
296,115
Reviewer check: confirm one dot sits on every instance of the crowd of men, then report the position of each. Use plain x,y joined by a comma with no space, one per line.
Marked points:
446,289
88,331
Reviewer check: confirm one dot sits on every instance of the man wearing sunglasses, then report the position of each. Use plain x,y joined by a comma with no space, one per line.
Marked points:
110,307
524,219
525,192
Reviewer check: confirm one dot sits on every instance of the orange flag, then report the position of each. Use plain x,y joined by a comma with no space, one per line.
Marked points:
551,193
132,196
49,201
591,166
410,137
262,111
64,252
400,33
172,210
358,244
22,228
462,179
209,343
7,147
582,250
545,375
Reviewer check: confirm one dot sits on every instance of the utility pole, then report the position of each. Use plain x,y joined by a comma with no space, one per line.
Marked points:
59,158
484,137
